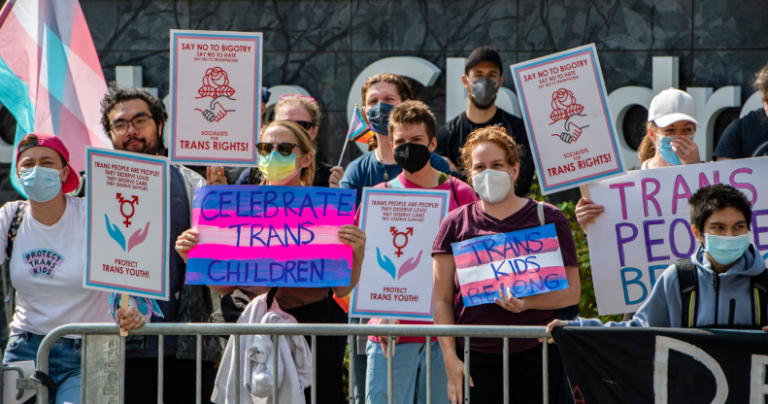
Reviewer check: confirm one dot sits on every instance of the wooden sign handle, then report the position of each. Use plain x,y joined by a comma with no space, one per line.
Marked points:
585,194
124,304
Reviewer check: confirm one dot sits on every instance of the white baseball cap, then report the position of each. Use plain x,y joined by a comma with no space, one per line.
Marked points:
670,106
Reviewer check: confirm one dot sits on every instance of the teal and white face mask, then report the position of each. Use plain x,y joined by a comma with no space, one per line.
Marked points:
40,184
726,250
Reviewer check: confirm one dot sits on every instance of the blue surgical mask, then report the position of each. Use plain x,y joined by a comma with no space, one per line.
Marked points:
41,184
726,250
378,115
665,148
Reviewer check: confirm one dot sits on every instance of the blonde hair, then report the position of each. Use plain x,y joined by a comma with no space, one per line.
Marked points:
298,101
305,143
494,134
761,82
647,149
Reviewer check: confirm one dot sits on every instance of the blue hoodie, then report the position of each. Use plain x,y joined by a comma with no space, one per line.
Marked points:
664,307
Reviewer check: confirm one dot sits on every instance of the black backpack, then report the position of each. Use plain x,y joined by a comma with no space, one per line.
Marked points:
689,287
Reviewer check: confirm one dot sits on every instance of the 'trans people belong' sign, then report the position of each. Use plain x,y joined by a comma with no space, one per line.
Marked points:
527,261
565,109
271,236
646,225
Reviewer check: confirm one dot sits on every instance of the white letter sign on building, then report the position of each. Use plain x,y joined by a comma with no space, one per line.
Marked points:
566,113
215,89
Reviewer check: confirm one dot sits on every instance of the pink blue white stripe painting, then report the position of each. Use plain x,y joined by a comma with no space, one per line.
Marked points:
528,262
271,236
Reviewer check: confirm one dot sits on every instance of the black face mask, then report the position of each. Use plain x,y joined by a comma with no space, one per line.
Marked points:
412,157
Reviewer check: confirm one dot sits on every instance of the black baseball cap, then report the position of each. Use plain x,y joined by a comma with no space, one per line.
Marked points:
481,54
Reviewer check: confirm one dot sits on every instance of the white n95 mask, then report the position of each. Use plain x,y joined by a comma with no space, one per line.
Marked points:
492,185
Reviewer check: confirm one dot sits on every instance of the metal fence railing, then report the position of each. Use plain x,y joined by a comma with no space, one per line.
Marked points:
103,342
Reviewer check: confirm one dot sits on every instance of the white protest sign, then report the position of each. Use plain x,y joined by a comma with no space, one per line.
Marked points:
646,225
215,97
128,223
565,109
396,280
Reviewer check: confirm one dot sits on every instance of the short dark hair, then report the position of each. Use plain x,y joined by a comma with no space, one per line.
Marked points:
412,113
119,95
709,200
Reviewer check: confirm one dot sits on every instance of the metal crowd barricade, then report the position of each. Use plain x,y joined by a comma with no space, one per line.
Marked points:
112,354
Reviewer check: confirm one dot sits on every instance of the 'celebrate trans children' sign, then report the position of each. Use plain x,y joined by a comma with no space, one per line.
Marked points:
526,261
271,236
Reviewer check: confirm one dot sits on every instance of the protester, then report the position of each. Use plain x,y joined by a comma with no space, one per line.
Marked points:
747,136
233,173
490,156
412,134
134,119
482,79
286,158
45,241
668,141
304,111
380,94
723,284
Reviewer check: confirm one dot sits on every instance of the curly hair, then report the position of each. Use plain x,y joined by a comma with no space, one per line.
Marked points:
495,134
412,113
761,82
709,200
403,90
120,95
305,143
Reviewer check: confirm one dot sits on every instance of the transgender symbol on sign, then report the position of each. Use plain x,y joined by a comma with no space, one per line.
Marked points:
216,86
138,237
409,265
564,106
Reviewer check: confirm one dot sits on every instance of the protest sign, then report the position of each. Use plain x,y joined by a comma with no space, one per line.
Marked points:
127,199
397,278
271,236
215,97
646,225
527,261
565,110
663,365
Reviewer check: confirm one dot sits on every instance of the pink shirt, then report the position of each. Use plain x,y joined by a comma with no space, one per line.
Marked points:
465,195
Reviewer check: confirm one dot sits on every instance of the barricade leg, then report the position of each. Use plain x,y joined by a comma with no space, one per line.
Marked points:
275,372
351,378
466,370
390,354
314,369
506,370
160,364
199,369
237,367
428,345
545,366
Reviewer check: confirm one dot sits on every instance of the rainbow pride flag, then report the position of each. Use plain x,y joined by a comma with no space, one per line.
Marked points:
526,261
359,131
50,76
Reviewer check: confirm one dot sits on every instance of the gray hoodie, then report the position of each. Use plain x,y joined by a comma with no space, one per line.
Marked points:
664,307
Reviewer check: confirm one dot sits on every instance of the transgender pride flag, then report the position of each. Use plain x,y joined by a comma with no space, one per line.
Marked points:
526,261
50,75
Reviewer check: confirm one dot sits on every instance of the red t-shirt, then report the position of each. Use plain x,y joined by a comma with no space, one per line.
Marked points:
465,195
471,221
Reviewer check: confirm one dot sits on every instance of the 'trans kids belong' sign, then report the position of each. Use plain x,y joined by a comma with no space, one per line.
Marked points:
526,261
127,200
565,108
271,236
396,281
215,94
646,225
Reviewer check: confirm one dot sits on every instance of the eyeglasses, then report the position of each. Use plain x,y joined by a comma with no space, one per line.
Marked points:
285,149
138,122
304,124
300,96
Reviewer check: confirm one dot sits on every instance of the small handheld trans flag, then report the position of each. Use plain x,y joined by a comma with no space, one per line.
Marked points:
359,131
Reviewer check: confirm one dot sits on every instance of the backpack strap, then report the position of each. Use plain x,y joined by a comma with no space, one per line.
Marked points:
13,229
540,212
453,188
253,176
688,276
760,298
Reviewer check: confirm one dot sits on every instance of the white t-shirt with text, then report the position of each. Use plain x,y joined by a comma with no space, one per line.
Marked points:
47,269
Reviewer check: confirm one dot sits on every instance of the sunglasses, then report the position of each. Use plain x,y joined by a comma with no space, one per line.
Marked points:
304,124
285,149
